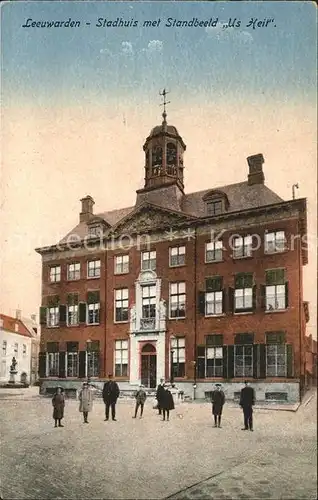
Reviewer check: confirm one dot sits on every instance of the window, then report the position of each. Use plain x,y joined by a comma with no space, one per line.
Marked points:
121,264
213,296
176,256
213,251
72,309
92,349
242,247
214,207
24,349
74,271
16,349
55,274
243,355
210,357
148,260
93,308
95,231
53,316
177,300
121,358
149,301
52,359
4,348
121,304
93,269
3,371
276,290
275,242
178,356
243,294
72,359
276,354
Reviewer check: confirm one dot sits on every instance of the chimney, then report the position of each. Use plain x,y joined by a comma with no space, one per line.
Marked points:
255,174
87,208
18,314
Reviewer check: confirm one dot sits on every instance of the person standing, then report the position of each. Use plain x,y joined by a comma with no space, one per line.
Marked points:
159,394
58,402
141,397
86,401
247,401
217,400
110,396
167,403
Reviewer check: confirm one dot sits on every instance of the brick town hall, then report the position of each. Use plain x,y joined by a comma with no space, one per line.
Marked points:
198,287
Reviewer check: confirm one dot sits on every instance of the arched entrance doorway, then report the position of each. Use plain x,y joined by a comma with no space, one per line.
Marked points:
149,366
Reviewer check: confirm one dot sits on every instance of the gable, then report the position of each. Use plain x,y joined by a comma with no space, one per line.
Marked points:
149,217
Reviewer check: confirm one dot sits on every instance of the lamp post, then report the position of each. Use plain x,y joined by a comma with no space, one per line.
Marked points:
88,349
171,360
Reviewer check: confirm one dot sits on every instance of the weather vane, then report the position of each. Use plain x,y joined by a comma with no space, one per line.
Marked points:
163,94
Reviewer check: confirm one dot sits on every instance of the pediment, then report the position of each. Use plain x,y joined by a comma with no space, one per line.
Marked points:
149,217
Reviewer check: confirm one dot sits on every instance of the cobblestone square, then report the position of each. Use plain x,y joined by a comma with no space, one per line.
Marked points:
148,458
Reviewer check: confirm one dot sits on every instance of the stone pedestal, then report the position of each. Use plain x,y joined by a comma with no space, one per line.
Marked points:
12,377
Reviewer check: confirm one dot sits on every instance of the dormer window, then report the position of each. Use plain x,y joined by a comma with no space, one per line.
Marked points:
216,203
95,231
214,207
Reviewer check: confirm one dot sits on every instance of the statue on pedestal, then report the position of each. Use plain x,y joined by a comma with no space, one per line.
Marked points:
13,370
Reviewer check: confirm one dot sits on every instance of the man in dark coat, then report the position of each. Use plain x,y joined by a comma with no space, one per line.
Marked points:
167,402
217,400
159,395
110,396
58,403
247,401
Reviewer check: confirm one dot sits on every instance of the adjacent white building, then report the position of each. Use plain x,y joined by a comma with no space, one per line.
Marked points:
15,342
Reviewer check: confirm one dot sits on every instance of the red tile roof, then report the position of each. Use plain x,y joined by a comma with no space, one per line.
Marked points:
9,325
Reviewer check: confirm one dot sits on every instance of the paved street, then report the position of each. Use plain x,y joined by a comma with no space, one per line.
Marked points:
149,459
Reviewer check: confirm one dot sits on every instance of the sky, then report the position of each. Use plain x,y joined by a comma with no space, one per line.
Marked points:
78,103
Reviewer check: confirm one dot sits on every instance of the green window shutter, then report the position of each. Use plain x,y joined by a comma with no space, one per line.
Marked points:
262,361
62,364
254,297
290,361
62,315
201,351
225,361
53,301
275,276
262,295
82,312
42,364
81,364
230,361
214,340
224,299
230,300
214,284
286,295
43,315
201,302
72,299
93,297
255,360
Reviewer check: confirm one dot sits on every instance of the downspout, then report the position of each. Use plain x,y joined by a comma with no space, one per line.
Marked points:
195,314
105,307
300,306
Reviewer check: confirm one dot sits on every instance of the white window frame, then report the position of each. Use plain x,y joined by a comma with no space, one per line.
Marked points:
4,347
242,246
72,354
93,358
272,292
94,306
246,295
52,359
214,352
73,310
179,253
275,242
55,276
148,299
121,299
121,264
52,318
121,347
182,285
74,271
24,349
214,299
93,272
178,349
276,365
148,260
212,251
244,356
